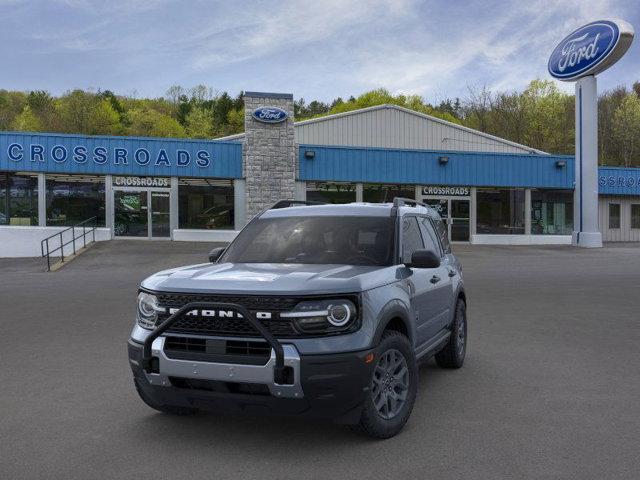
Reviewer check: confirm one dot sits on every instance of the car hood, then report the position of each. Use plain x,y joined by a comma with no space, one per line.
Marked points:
269,278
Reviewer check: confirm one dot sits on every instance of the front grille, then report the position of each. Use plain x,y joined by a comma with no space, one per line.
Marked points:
200,325
217,350
238,327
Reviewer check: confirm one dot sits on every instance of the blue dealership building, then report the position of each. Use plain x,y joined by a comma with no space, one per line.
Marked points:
491,190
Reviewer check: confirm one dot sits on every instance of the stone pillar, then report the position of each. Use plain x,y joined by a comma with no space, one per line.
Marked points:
269,155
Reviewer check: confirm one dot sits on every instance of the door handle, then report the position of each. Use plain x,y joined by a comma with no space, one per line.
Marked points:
435,279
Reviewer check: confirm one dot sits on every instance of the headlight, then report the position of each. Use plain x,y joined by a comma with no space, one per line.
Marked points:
147,310
323,316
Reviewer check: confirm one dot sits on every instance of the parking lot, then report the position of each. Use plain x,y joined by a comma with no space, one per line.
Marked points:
550,389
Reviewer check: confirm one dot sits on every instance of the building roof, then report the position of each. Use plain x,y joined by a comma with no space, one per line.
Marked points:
392,126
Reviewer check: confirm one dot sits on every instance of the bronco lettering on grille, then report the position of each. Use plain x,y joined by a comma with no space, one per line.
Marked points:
221,313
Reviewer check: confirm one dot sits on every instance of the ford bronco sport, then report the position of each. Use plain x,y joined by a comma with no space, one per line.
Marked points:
319,310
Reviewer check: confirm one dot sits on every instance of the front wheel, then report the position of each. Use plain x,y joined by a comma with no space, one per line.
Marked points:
393,387
452,355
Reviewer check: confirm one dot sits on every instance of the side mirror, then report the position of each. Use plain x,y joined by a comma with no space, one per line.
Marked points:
216,253
424,259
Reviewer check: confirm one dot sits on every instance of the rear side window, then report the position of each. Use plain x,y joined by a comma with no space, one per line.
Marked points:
441,230
411,238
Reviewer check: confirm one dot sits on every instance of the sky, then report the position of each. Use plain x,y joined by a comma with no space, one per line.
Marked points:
313,49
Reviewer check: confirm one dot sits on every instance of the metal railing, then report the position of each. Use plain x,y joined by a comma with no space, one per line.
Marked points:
86,227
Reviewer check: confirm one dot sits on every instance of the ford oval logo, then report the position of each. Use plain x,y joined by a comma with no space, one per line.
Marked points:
580,53
270,114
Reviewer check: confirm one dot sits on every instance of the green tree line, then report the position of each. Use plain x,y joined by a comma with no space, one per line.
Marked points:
540,116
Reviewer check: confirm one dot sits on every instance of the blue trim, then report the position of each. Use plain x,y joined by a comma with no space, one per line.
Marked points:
104,155
619,181
422,167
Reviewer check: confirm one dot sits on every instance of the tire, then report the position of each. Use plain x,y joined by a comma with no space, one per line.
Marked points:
169,409
392,355
452,355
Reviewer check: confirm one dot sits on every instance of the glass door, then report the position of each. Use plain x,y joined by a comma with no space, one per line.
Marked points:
455,213
160,226
131,213
459,223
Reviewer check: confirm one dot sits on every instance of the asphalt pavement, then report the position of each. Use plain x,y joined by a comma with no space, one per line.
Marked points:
550,388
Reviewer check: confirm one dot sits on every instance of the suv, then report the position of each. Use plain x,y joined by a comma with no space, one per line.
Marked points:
319,310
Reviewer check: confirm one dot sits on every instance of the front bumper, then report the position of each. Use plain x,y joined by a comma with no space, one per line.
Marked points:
325,386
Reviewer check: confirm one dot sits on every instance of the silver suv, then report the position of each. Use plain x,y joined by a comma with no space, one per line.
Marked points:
318,310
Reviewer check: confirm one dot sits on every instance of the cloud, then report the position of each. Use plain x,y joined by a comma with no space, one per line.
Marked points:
318,49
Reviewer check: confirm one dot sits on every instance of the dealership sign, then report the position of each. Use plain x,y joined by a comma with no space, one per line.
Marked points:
590,49
122,156
446,191
270,114
141,182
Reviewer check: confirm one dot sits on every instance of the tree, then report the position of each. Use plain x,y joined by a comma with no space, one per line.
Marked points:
625,129
104,120
27,121
11,105
75,109
198,123
147,122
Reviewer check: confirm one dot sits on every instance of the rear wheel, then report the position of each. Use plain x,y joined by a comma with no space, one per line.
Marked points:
452,355
393,387
170,409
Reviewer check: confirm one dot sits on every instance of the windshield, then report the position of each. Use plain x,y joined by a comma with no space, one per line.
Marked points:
319,240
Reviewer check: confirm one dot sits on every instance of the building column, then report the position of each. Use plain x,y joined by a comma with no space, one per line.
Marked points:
108,202
359,192
301,191
270,158
173,206
42,200
527,211
473,214
239,204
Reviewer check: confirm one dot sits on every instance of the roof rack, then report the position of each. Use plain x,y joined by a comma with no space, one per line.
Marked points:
292,203
403,202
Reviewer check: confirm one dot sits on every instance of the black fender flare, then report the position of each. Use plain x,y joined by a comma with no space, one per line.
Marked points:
392,310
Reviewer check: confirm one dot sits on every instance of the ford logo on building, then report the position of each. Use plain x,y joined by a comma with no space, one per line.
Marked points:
590,49
270,114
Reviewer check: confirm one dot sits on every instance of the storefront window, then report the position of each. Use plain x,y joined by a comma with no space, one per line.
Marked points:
381,193
551,212
18,199
500,211
331,192
205,204
635,215
614,215
72,199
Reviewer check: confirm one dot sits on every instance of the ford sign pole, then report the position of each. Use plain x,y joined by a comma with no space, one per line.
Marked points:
583,54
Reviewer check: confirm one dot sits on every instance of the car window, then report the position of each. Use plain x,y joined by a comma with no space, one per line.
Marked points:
441,229
315,240
430,238
411,238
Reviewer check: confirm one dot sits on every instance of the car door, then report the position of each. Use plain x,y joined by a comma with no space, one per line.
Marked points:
420,282
441,293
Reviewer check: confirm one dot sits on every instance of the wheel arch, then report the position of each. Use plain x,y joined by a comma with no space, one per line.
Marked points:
394,316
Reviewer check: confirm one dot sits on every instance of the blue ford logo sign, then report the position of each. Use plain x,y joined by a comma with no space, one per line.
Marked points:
270,114
590,49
